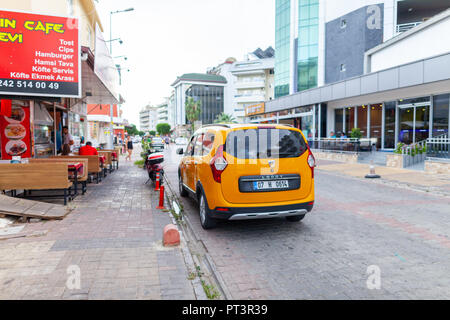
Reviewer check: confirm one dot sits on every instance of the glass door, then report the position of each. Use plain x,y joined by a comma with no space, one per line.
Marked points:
376,114
406,127
414,120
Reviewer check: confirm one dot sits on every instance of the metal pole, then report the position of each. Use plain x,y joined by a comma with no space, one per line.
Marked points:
111,140
110,32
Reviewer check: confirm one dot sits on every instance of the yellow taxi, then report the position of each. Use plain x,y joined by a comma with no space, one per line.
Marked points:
248,171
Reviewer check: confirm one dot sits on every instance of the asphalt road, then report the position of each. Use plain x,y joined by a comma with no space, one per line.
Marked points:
362,240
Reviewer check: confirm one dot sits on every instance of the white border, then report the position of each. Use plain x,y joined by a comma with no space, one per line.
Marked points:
80,76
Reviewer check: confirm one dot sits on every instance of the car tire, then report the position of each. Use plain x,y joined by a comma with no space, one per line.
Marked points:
181,189
205,218
295,218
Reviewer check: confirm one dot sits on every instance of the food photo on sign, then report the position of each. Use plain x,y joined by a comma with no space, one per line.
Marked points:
15,131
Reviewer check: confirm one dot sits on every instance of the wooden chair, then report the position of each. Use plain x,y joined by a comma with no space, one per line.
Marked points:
93,164
114,160
80,179
108,156
36,176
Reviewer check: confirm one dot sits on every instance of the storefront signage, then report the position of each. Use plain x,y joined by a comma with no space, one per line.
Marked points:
254,109
40,55
15,132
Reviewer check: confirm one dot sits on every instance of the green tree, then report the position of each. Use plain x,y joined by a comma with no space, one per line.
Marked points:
132,130
193,111
163,128
141,133
225,118
152,133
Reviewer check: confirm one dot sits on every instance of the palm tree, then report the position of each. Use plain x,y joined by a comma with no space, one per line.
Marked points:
225,118
193,110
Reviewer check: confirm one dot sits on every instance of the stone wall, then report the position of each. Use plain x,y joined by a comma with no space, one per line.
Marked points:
394,161
335,156
437,167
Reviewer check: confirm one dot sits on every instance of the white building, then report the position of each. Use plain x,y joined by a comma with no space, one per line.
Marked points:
148,118
163,111
254,81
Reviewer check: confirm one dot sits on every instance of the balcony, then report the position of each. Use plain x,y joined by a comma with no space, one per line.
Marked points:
407,26
249,98
250,84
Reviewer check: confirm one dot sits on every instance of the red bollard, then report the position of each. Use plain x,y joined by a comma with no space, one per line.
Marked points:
161,199
157,181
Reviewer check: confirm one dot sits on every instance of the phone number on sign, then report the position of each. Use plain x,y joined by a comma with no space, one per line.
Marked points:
29,84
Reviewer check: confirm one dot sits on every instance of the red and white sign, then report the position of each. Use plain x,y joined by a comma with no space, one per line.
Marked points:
39,55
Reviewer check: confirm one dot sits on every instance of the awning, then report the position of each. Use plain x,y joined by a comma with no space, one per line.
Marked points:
99,93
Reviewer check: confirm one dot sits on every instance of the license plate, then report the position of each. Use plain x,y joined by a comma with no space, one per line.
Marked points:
266,185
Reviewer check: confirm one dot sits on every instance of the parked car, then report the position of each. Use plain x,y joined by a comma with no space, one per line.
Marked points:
157,144
181,141
239,172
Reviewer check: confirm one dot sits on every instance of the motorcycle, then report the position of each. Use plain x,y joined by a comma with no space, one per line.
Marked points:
153,165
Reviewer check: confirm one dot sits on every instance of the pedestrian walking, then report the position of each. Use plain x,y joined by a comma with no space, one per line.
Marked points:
129,148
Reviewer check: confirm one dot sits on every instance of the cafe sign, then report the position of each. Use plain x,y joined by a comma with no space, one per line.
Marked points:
40,55
254,109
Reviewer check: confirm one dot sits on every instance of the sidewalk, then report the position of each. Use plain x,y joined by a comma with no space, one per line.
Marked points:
403,177
113,236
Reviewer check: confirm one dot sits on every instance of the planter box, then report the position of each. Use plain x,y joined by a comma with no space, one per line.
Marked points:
403,160
437,167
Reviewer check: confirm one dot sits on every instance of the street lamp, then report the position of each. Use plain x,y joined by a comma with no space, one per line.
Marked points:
110,52
110,25
117,39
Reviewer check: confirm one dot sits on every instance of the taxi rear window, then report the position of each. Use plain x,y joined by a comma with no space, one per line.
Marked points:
265,143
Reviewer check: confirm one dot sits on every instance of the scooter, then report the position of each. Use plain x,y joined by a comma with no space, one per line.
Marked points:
153,166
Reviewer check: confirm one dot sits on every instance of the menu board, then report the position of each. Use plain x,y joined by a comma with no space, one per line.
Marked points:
15,131
43,55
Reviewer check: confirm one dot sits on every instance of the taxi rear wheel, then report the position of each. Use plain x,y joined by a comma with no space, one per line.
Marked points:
295,218
206,221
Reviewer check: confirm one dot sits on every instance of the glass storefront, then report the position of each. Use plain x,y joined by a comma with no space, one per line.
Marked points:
338,121
376,115
440,114
362,119
349,121
389,125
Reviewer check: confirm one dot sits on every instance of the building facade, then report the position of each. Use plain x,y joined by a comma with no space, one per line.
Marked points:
148,118
51,114
394,92
323,41
207,88
254,81
163,111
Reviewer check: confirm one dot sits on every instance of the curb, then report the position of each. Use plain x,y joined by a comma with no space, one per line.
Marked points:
188,232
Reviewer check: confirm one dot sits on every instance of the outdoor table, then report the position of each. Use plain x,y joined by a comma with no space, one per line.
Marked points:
74,170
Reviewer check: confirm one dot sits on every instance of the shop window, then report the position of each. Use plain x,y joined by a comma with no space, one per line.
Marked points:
389,125
440,114
338,121
362,119
349,120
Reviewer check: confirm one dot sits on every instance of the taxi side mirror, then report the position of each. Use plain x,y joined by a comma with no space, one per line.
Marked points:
180,151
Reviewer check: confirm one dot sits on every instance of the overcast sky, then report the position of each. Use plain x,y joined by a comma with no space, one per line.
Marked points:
166,38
